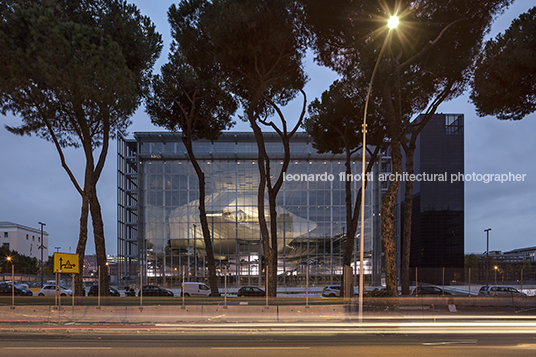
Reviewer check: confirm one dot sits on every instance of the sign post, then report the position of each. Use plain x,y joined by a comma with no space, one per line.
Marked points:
64,263
72,284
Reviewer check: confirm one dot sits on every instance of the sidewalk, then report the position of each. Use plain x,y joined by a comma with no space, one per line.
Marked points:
426,307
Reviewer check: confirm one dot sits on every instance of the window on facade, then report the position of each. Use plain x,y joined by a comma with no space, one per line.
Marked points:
6,245
33,238
38,239
5,235
454,124
27,237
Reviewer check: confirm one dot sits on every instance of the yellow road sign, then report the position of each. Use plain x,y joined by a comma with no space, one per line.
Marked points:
66,263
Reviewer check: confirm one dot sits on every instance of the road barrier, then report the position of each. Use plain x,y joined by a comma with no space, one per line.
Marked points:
272,313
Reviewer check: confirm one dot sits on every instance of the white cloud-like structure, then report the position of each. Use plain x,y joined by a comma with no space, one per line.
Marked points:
233,219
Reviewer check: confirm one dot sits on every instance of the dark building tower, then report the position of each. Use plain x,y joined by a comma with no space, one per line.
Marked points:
437,238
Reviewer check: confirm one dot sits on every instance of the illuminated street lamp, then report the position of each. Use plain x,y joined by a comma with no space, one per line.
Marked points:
392,23
9,259
496,268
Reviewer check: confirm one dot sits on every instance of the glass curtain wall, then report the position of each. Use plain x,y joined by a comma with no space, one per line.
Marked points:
310,211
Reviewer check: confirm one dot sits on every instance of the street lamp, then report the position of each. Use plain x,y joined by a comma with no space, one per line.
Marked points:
393,22
487,256
42,246
195,253
496,268
9,259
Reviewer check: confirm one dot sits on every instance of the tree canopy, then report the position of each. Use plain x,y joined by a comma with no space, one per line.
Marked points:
335,124
75,71
191,97
23,263
429,56
260,46
67,59
335,119
183,100
504,84
190,93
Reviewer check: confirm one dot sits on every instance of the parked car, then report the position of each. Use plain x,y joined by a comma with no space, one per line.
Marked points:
334,291
429,290
381,292
250,291
6,289
196,289
155,290
499,291
50,290
129,291
94,291
331,291
23,285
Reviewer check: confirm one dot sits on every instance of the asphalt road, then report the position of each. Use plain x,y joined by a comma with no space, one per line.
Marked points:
291,343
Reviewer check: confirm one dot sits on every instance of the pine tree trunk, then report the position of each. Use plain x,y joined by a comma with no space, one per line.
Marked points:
351,229
209,250
265,235
388,231
269,235
408,207
272,277
80,250
98,235
269,241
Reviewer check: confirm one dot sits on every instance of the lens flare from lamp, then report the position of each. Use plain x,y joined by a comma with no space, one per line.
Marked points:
393,22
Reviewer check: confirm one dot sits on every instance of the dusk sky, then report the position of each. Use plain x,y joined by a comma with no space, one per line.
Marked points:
35,188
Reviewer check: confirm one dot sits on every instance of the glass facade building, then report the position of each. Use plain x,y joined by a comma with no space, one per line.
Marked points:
158,215
159,230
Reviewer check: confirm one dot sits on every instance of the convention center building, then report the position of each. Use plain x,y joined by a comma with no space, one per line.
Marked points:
159,230
158,215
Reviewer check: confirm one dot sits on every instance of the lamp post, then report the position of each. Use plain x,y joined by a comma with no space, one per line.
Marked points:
42,246
393,22
195,253
9,259
496,268
487,256
188,254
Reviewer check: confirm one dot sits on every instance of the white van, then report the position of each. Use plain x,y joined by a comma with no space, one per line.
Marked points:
195,289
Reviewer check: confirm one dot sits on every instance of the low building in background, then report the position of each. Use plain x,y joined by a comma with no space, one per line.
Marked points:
527,254
91,270
24,240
